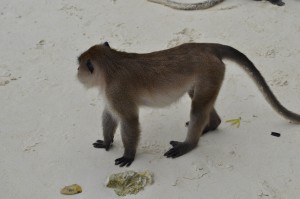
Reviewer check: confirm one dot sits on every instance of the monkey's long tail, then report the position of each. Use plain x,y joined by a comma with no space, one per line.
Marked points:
235,55
188,6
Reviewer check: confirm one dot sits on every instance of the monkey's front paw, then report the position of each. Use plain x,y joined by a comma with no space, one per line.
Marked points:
102,144
179,149
123,161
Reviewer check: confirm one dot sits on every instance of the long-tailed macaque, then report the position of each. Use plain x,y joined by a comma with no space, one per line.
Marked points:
201,5
157,79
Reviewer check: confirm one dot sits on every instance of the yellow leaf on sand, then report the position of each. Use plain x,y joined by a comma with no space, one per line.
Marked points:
236,122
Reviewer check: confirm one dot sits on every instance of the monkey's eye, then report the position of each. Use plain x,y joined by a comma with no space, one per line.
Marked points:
90,66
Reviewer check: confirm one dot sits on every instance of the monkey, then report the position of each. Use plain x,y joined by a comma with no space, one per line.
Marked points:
202,5
157,79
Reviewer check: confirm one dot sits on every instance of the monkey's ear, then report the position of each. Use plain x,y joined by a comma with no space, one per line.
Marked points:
90,66
106,44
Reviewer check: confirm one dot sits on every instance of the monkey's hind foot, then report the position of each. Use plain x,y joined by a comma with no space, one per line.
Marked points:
124,161
101,144
207,128
179,149
211,127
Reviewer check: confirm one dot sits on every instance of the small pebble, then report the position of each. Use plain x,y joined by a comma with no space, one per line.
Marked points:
275,134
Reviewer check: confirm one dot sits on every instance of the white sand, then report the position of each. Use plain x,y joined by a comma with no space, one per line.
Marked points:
48,122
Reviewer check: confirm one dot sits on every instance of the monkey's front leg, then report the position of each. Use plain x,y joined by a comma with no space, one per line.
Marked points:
130,133
109,125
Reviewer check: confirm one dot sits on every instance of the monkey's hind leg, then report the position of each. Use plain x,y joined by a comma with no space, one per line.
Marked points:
109,125
214,122
202,108
199,117
214,118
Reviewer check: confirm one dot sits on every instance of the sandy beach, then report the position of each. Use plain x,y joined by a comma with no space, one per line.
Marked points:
48,121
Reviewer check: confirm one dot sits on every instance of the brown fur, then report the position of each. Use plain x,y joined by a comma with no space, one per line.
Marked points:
157,79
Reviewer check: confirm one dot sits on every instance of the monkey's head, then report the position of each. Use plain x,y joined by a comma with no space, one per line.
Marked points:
89,73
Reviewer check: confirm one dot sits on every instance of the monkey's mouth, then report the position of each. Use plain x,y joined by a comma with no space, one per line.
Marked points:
82,78
86,80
